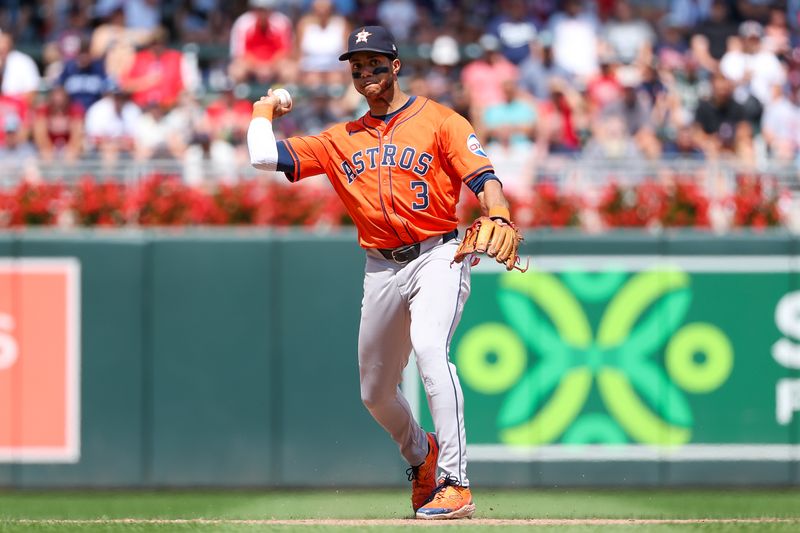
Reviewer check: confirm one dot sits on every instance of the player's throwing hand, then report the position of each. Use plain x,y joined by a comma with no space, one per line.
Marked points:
272,105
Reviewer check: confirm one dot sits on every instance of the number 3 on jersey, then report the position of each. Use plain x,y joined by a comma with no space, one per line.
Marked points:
421,189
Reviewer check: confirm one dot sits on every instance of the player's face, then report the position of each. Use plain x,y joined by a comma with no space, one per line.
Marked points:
372,73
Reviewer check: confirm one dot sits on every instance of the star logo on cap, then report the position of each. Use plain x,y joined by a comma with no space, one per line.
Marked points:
361,37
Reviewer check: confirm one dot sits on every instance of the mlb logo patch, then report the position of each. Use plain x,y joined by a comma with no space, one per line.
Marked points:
474,145
39,360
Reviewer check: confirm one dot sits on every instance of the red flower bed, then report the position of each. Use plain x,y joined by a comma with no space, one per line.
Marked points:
99,204
756,202
32,204
678,204
547,207
552,208
295,205
166,201
685,205
163,200
238,204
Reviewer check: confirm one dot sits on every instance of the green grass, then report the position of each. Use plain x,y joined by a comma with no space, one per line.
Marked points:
18,509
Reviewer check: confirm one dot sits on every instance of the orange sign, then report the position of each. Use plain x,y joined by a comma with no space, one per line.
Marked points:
39,360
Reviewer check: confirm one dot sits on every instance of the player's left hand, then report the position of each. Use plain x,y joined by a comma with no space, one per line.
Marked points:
494,237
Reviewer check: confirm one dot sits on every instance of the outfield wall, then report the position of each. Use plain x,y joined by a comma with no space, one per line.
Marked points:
227,358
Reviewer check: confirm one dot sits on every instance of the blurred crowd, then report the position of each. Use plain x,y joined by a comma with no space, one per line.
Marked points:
609,80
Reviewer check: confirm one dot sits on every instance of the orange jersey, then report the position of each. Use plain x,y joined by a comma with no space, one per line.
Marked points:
399,180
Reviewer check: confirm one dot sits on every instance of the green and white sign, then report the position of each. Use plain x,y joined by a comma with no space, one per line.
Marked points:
630,358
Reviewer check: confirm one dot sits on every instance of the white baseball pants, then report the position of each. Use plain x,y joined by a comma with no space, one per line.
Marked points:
417,306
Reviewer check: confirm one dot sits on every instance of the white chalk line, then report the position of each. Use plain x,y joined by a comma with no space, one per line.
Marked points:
399,521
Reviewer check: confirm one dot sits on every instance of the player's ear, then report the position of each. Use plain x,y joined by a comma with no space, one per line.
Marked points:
396,66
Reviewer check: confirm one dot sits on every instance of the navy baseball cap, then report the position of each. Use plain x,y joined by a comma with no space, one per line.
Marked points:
370,39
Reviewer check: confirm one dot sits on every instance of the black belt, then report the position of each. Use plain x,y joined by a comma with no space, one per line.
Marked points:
406,254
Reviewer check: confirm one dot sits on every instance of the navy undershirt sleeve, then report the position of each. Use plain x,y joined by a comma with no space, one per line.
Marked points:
286,161
476,184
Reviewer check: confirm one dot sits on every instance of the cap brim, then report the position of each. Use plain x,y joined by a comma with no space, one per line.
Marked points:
345,56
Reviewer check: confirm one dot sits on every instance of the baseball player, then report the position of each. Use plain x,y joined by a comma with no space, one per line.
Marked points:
399,170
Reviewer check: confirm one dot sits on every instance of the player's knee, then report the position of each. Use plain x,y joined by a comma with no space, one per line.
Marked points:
373,399
438,377
430,352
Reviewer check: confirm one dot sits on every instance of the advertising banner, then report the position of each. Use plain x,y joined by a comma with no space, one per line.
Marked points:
39,360
630,358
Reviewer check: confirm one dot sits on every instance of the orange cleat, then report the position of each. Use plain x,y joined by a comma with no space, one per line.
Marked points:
423,477
450,500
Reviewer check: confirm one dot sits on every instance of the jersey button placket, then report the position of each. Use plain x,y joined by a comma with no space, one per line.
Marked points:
386,192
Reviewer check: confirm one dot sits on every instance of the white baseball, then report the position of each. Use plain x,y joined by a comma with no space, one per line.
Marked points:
284,96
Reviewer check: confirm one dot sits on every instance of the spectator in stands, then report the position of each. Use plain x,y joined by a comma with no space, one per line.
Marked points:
681,78
442,72
111,125
711,38
19,81
753,9
515,161
160,134
228,116
719,119
83,77
200,21
158,74
513,119
649,10
58,127
113,41
634,105
483,77
682,145
752,69
18,72
64,44
14,120
635,109
793,14
671,47
143,14
17,18
575,39
565,117
319,112
16,151
209,156
610,140
628,39
261,41
780,124
398,15
510,127
687,14
321,39
515,30
346,8
777,33
604,87
539,67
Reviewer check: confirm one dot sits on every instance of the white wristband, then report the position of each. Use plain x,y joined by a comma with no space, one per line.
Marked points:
261,144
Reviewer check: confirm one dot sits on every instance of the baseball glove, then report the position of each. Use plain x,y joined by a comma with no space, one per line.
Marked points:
495,238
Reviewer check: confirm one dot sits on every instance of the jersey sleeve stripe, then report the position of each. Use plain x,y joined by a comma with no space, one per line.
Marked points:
296,160
476,173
